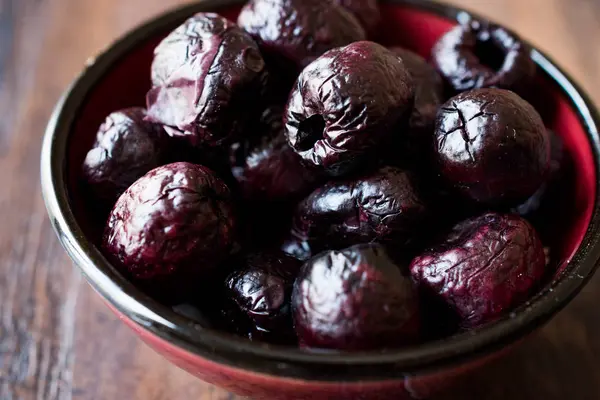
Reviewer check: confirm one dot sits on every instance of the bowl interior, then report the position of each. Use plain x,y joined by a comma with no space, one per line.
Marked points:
564,223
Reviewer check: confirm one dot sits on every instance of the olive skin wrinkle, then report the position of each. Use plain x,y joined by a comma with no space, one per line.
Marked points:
347,105
484,268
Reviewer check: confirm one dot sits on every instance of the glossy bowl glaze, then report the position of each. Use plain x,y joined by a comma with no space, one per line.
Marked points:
120,78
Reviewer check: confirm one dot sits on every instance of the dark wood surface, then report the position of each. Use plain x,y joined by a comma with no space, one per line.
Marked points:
58,341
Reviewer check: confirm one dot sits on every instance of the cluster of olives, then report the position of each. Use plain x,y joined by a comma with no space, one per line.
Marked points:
300,184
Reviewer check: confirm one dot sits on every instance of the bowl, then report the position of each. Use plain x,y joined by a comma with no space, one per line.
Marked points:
119,77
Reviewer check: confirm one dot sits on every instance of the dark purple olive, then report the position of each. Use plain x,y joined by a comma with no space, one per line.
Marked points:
492,146
429,95
266,167
355,299
347,104
206,76
174,223
382,206
126,148
260,289
478,54
295,32
484,268
367,12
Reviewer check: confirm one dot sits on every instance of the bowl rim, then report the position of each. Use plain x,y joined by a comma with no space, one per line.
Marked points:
226,349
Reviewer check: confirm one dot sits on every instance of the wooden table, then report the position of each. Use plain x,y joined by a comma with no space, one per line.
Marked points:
58,341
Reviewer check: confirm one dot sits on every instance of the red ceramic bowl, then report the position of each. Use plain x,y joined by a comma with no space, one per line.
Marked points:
120,78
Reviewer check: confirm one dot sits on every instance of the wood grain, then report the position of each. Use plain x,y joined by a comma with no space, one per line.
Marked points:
59,342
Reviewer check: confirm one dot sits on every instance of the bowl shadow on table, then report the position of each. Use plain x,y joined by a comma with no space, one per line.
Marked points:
558,362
